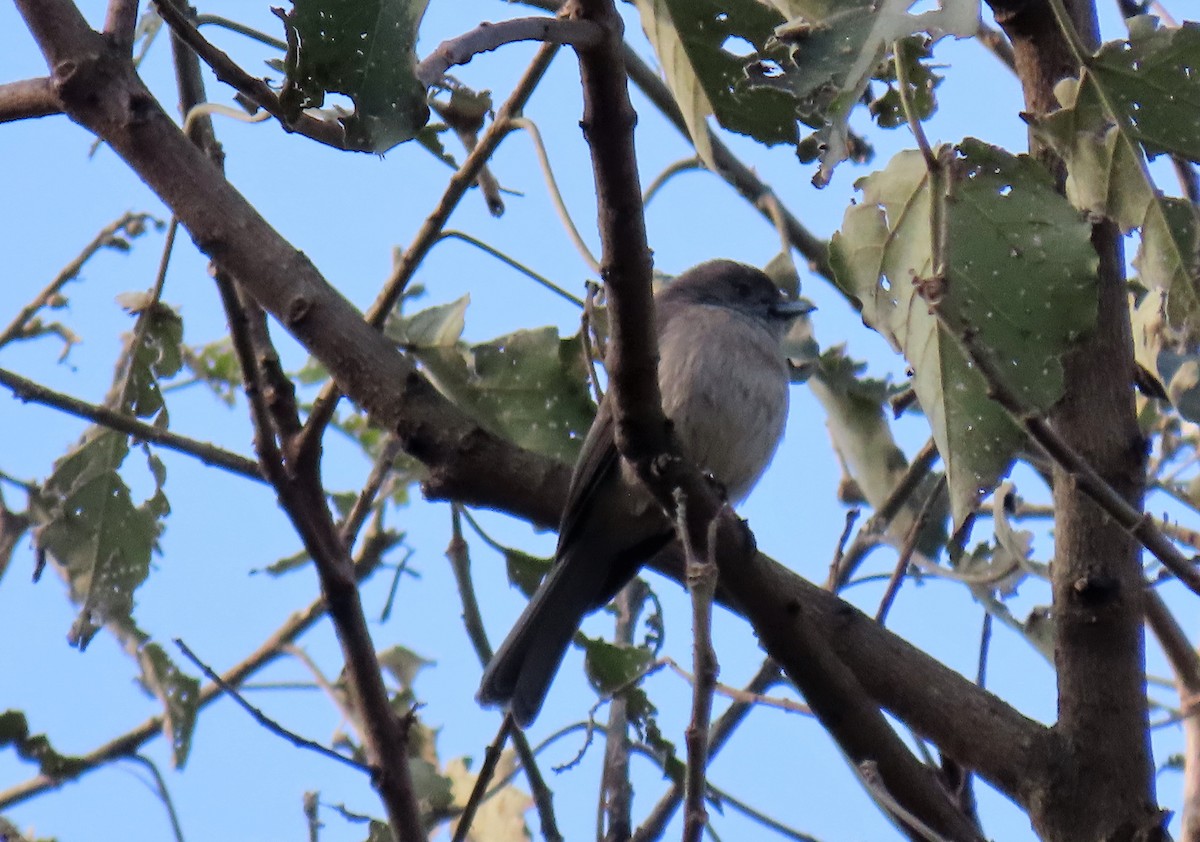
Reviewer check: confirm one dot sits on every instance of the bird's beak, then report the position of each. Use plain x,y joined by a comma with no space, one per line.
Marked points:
792,309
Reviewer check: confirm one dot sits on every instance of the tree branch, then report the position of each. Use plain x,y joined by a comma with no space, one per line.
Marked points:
28,98
120,22
490,36
255,90
644,439
27,390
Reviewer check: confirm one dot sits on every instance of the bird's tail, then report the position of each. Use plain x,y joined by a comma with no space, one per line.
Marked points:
520,672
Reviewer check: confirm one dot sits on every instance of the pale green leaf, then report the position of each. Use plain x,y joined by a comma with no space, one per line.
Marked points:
1020,272
439,326
835,49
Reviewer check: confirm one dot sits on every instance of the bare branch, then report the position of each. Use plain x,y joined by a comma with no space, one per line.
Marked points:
27,99
489,36
27,390
120,23
255,90
264,720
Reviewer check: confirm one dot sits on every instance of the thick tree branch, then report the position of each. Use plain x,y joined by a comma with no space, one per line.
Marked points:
28,98
120,22
1104,786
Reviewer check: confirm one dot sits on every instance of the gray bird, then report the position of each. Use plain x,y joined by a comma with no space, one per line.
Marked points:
724,383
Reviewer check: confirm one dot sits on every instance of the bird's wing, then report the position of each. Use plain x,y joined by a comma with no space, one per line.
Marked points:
598,458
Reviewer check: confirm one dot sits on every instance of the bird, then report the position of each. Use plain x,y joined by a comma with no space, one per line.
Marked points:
724,381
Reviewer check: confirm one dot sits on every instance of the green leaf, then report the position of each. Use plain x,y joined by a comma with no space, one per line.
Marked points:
1020,272
611,667
434,791
691,39
1136,98
1154,78
855,415
14,731
216,366
179,694
100,540
365,50
888,108
525,571
529,386
439,326
157,357
835,49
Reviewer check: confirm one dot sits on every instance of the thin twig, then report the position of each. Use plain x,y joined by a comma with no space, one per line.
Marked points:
164,794
906,553
614,818
486,772
130,224
880,521
266,721
868,771
839,551
537,277
460,564
681,166
489,36
560,205
767,676
131,741
29,391
380,471
240,29
739,695
702,586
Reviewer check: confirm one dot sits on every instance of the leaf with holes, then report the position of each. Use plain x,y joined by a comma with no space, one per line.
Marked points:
529,386
365,50
1136,98
101,542
1020,272
179,694
835,49
693,40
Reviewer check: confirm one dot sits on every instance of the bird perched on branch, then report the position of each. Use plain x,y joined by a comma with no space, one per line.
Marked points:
724,383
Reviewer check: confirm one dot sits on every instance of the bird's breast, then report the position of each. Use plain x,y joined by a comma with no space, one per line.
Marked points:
726,391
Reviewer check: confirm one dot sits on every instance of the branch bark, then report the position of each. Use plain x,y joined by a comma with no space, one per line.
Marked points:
28,98
1103,787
